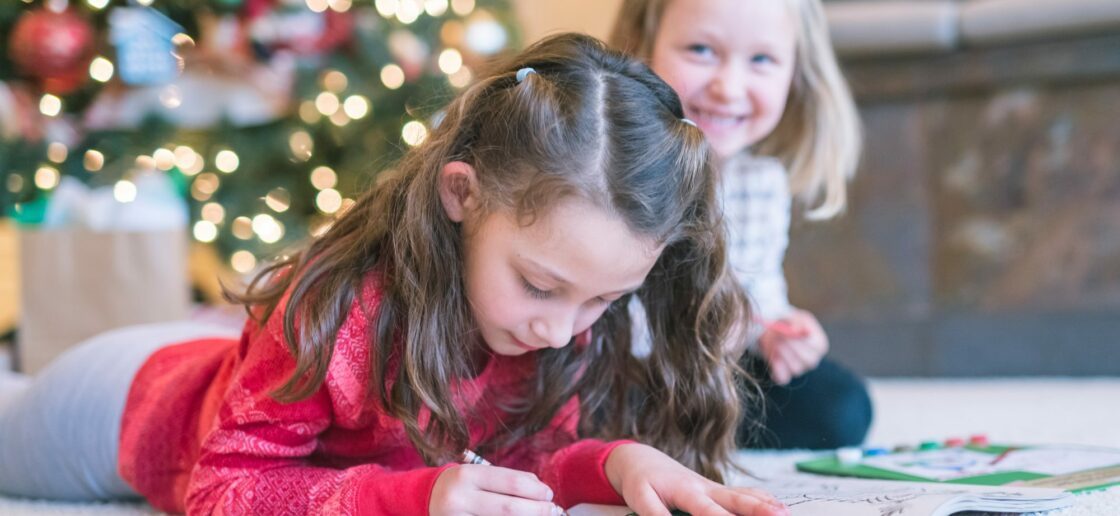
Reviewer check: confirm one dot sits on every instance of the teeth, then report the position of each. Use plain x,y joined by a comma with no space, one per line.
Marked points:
710,118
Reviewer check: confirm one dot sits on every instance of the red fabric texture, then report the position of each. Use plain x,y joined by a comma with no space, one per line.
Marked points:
201,433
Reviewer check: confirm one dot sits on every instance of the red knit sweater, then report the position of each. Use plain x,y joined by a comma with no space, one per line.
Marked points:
201,434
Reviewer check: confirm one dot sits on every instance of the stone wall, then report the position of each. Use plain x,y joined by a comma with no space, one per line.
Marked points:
983,236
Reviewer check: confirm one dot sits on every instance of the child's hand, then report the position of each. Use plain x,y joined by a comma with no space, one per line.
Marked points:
793,346
652,483
478,489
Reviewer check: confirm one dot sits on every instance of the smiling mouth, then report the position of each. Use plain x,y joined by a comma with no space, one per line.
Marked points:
712,119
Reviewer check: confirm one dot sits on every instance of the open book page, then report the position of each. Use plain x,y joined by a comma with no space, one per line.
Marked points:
827,496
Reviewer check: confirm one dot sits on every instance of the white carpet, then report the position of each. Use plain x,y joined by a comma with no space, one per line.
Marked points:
1012,411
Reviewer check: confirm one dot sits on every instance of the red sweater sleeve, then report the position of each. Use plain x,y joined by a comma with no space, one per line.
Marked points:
573,467
259,457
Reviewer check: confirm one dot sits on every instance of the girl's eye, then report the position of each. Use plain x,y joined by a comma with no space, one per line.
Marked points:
700,50
762,59
534,291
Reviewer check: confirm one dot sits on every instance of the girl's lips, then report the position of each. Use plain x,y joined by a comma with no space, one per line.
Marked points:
522,345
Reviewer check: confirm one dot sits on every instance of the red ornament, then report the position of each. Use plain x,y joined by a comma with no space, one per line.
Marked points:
53,47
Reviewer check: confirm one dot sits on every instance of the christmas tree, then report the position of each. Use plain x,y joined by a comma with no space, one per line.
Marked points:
269,115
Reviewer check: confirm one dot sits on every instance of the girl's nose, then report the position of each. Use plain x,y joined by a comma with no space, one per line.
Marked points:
555,330
729,83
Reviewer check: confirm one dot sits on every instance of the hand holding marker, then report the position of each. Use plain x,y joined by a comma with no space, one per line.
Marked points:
470,457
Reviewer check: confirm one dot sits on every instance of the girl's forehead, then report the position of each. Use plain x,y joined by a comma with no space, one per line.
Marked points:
587,244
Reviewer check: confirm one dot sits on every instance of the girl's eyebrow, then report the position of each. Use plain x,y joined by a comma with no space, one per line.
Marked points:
561,280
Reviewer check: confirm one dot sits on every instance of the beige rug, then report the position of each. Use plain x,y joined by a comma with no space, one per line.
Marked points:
1012,411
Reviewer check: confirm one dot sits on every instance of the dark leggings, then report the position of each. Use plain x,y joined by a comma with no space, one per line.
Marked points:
827,407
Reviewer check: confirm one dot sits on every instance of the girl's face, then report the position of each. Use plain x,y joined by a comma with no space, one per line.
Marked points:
731,62
537,286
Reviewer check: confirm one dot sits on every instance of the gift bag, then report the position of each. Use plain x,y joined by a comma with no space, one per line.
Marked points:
91,262
76,283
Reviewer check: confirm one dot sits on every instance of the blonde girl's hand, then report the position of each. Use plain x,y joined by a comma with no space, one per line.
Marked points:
652,483
793,346
473,489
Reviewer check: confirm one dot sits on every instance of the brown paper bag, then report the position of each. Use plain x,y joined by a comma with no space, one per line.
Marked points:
78,283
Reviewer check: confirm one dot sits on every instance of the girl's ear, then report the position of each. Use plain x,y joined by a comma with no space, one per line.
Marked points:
458,190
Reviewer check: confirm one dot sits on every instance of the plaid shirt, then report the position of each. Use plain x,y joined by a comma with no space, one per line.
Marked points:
754,194
756,207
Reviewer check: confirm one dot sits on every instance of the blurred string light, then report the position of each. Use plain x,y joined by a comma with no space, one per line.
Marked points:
386,8
340,118
340,6
124,191
435,7
50,105
267,228
57,152
227,161
408,11
46,178
301,145
335,81
323,177
278,199
93,160
205,231
213,212
242,261
188,161
242,228
204,186
164,158
356,106
461,78
145,162
308,112
392,76
101,69
450,60
97,5
462,7
414,133
327,103
328,201
317,5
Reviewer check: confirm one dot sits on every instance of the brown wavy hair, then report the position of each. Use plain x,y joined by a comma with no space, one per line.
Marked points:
591,124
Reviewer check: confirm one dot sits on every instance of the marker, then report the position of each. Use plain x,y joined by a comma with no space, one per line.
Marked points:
954,442
1001,456
929,445
470,457
980,440
872,452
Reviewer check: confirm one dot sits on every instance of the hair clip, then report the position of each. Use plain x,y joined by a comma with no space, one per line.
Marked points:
689,122
522,73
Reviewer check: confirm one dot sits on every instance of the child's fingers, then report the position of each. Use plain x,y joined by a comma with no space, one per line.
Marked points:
749,502
506,481
494,503
645,501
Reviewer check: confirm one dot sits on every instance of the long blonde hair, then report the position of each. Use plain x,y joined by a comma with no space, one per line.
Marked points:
590,123
819,136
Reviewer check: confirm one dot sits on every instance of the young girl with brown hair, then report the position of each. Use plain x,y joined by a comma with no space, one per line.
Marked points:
474,299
